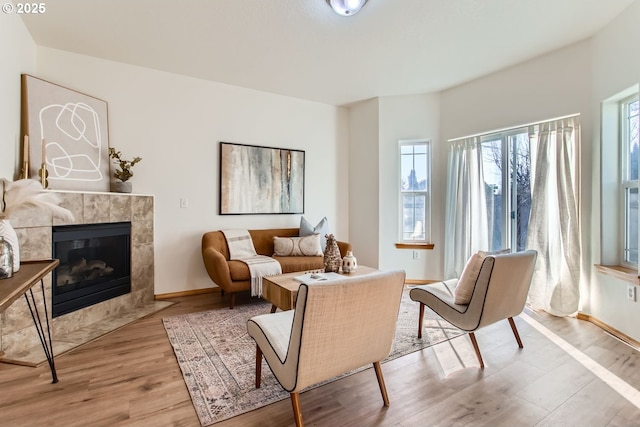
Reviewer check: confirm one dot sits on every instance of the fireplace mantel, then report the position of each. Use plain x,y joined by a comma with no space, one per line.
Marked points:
34,230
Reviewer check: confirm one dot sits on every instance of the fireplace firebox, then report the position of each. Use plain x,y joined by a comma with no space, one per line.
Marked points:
95,265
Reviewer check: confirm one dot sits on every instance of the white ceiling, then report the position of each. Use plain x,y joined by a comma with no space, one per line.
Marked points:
301,48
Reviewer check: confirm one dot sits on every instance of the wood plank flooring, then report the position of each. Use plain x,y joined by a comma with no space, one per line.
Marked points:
130,377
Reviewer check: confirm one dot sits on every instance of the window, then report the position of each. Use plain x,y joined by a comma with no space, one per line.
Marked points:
415,191
629,180
506,163
619,183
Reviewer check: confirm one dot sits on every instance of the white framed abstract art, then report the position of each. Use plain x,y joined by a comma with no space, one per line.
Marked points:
260,180
68,132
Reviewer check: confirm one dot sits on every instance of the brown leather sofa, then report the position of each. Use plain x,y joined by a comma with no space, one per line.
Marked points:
233,276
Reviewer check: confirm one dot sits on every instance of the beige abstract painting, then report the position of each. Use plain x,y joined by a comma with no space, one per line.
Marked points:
260,180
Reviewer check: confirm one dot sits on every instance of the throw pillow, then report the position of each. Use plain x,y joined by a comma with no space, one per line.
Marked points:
467,280
297,246
306,229
498,252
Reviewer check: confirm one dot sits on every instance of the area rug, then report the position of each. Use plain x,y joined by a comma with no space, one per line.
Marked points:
217,356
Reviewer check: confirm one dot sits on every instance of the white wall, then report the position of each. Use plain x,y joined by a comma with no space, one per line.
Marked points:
17,56
363,182
175,124
376,126
401,118
616,66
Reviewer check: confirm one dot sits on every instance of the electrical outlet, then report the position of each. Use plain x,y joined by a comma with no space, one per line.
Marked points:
416,254
631,293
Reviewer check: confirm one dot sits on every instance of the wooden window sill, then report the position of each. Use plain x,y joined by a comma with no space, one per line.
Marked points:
415,246
619,272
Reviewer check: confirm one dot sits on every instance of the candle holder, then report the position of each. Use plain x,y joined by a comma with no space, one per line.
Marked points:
43,173
24,174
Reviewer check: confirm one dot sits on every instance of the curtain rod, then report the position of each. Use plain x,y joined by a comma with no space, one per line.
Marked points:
512,128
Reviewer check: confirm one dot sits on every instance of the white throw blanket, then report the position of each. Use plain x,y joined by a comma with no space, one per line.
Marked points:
239,243
241,249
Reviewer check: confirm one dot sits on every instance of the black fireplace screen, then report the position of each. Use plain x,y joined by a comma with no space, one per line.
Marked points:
95,265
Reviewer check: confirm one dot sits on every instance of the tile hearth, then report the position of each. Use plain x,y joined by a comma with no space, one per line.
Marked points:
18,338
34,356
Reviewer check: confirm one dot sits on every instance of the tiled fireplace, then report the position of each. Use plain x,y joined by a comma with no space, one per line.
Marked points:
19,340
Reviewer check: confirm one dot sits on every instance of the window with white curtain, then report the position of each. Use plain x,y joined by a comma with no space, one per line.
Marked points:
629,151
518,189
506,161
415,191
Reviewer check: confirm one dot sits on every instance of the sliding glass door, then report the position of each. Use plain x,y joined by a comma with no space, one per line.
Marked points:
507,180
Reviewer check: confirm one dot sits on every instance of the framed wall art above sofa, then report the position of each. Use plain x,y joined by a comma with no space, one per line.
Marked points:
260,180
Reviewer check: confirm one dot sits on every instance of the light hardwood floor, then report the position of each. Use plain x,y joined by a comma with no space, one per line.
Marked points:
130,377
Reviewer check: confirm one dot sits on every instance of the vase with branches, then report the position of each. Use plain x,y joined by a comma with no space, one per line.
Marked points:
123,171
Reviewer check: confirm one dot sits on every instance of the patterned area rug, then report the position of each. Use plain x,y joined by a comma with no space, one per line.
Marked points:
217,357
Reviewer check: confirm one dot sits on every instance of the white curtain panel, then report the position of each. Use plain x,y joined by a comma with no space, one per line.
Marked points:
466,206
554,223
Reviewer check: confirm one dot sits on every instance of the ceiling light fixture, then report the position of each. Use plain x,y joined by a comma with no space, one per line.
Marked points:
346,7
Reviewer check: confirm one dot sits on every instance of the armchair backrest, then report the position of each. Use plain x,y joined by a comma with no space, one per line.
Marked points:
502,287
340,325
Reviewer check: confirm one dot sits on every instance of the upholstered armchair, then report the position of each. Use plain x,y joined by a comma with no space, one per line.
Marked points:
337,326
491,288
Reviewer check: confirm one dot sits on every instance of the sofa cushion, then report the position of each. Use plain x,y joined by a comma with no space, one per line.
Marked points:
297,246
239,271
292,264
306,229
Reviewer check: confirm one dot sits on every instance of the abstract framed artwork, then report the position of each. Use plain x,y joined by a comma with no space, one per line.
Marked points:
260,180
68,132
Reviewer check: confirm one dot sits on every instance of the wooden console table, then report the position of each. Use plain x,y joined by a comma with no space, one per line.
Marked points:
30,273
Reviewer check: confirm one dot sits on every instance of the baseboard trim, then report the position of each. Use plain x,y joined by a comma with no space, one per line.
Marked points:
187,293
611,330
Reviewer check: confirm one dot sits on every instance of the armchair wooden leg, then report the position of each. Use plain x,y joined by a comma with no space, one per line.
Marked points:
515,331
420,320
258,366
383,388
297,413
476,348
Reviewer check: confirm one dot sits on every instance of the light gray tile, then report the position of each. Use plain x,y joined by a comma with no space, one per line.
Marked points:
120,209
95,208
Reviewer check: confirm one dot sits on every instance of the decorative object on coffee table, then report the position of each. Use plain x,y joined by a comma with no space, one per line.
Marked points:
25,193
332,260
124,173
349,263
